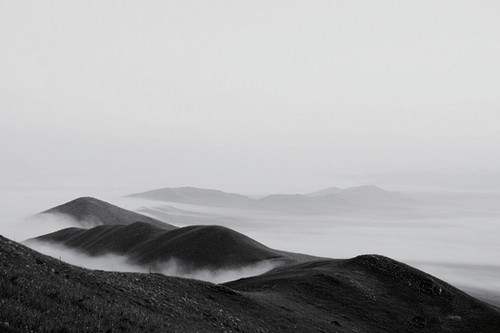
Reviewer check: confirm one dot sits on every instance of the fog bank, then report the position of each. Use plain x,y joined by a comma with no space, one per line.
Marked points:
172,267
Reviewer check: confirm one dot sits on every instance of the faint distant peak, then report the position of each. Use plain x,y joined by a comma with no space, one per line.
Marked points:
326,191
187,191
197,196
364,189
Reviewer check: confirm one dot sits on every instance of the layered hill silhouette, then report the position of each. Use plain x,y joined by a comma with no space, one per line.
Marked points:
196,247
363,294
90,211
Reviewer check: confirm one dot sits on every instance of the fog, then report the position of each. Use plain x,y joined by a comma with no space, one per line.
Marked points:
109,262
451,234
172,267
443,231
175,267
19,208
251,97
106,98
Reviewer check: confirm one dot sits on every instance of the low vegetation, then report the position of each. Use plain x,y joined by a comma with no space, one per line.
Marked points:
42,294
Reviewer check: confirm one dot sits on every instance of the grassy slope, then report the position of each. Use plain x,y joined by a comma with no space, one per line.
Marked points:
365,294
38,293
210,247
373,294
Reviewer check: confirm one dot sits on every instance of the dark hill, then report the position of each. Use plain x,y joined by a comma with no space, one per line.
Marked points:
364,294
210,246
373,293
91,212
42,294
197,247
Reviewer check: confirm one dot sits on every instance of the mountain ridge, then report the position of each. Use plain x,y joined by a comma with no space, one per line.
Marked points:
327,200
194,195
196,247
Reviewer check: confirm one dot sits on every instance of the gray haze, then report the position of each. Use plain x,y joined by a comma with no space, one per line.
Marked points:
173,267
107,98
453,235
245,96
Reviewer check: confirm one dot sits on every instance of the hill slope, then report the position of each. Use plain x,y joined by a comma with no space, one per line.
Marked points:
197,247
364,294
373,293
90,211
42,294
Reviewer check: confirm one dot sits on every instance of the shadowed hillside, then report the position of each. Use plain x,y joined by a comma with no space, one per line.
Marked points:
91,212
373,293
42,294
364,294
197,247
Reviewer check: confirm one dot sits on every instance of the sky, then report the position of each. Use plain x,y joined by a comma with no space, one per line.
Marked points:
245,95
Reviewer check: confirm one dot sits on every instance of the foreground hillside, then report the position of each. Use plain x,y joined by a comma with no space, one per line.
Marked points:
39,293
364,294
375,293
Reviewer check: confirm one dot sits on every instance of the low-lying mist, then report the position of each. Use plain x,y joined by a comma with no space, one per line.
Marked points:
175,267
22,228
448,231
108,262
172,267
451,235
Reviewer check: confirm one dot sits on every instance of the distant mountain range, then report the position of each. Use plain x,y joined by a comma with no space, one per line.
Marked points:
330,199
90,212
326,191
197,196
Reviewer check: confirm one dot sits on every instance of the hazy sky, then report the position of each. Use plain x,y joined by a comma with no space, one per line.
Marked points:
245,94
